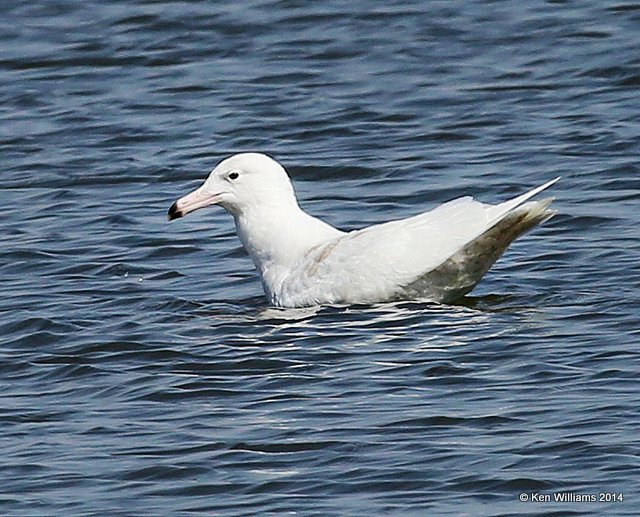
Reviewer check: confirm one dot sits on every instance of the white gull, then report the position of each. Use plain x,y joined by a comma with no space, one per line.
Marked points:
438,255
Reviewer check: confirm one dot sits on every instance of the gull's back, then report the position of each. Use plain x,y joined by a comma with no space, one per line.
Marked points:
438,255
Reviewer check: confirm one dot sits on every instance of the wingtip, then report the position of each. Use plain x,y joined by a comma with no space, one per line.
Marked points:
551,182
524,197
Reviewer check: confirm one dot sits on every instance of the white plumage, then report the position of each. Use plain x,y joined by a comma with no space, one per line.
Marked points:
438,255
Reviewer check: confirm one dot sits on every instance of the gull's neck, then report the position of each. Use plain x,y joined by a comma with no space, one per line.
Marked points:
276,237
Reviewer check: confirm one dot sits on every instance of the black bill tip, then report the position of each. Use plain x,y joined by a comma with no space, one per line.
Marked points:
174,212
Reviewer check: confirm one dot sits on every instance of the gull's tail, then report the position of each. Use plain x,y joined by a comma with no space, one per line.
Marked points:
459,274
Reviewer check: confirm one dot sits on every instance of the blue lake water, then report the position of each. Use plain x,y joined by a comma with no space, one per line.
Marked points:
141,370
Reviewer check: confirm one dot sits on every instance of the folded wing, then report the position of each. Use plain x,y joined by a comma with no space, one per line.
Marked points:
387,261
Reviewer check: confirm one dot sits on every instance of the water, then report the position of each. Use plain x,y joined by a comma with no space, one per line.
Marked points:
142,372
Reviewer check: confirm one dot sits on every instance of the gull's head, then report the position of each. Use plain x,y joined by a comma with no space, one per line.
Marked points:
242,182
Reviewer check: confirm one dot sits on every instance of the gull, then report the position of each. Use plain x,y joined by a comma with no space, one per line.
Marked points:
439,255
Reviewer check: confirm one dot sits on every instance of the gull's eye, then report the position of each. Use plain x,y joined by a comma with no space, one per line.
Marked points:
233,176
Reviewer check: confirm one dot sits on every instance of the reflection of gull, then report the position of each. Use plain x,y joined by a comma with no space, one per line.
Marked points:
277,314
438,255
